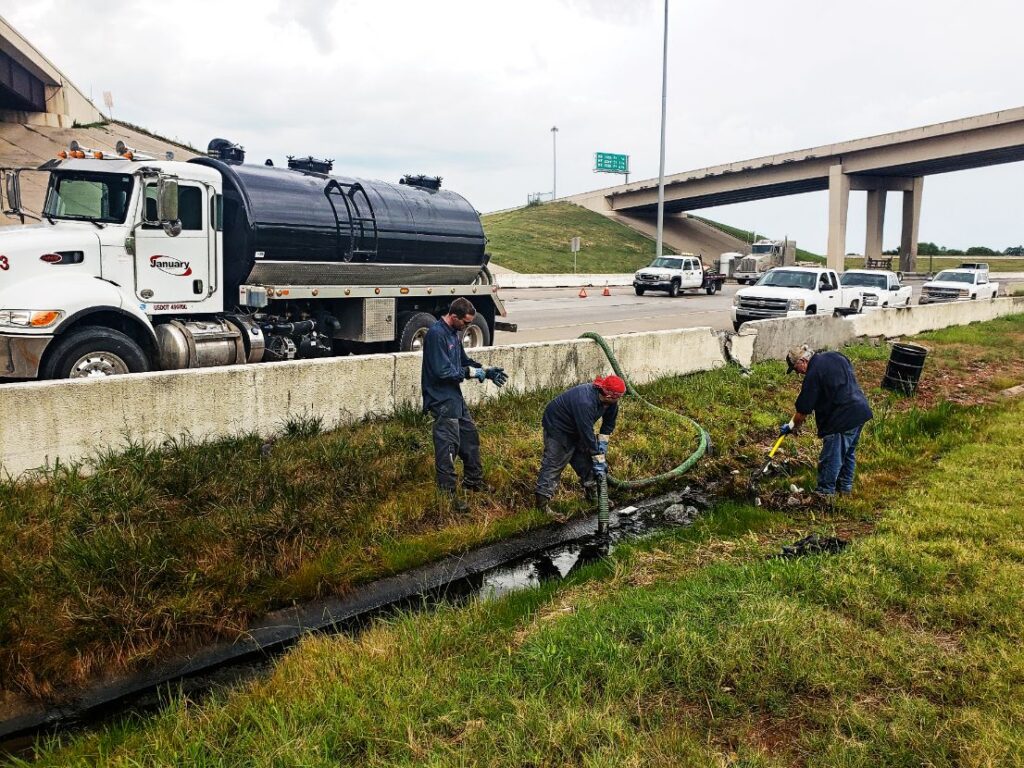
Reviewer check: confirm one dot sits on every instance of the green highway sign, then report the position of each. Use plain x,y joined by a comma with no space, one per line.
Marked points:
607,162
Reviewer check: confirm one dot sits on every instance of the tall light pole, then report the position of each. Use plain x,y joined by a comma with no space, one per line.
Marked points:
554,162
661,166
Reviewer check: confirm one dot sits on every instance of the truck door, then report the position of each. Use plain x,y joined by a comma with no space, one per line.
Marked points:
174,269
691,274
828,285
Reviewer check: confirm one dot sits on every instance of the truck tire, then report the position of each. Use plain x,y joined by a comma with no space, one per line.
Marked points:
412,330
639,291
711,289
94,352
673,290
477,334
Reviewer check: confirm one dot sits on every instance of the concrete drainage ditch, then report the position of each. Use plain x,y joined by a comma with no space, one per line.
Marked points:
550,553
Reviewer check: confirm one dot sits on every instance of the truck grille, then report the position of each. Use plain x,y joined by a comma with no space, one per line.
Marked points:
648,276
942,294
755,307
747,265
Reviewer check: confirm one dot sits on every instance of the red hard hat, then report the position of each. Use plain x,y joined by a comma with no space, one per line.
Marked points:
610,386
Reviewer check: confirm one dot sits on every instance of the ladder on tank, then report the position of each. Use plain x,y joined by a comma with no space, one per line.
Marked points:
361,227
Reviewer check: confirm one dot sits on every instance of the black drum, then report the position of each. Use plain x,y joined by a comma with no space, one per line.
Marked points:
904,369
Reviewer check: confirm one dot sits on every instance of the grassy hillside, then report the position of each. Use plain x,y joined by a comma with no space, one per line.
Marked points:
536,239
748,237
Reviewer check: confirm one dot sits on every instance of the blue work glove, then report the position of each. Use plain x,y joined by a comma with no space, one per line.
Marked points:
788,428
600,466
476,373
497,375
602,444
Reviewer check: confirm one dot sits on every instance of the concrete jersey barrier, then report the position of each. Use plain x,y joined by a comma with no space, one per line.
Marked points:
517,280
45,422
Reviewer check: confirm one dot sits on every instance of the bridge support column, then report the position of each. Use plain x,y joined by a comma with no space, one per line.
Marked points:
875,224
838,207
911,225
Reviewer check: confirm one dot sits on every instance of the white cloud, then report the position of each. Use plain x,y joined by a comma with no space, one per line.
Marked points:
469,90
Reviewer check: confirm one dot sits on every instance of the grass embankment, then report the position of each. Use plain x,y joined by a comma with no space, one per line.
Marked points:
536,239
697,648
748,237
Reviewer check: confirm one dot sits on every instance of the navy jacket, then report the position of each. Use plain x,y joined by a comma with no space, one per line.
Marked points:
831,390
574,413
444,369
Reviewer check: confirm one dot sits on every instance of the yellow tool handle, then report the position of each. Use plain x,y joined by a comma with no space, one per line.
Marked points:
771,453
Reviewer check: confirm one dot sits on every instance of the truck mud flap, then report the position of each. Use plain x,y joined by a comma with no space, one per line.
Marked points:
504,325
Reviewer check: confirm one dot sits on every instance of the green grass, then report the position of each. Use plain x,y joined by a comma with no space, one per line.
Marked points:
694,648
161,548
947,262
536,239
748,237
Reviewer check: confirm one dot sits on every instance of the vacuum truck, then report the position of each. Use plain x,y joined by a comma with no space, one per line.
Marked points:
141,264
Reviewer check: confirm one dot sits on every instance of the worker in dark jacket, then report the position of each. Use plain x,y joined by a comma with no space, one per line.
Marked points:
445,366
830,390
569,435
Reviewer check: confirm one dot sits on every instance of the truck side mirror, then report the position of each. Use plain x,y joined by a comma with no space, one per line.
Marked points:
12,187
167,206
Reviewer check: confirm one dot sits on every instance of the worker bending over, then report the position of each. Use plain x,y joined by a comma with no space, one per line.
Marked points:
569,438
445,366
830,390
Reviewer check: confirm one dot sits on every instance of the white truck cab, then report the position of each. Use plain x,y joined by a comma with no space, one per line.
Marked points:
882,288
794,292
961,284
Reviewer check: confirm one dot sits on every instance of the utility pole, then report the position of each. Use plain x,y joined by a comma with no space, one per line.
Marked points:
661,165
554,162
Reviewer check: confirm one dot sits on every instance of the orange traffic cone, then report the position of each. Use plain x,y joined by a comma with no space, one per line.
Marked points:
606,291
583,293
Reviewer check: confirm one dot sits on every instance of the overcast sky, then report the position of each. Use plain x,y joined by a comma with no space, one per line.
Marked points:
469,90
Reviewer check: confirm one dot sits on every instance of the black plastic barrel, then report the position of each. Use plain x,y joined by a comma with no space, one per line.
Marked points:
904,369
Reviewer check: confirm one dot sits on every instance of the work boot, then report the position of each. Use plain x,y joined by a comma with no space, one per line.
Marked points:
456,502
590,491
543,503
480,487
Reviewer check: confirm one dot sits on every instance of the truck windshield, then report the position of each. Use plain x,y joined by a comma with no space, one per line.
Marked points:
101,197
761,248
865,281
787,278
955,277
667,263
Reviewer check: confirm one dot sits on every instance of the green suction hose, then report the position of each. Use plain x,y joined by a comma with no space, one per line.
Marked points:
693,458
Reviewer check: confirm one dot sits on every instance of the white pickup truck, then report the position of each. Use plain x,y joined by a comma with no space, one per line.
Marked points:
961,284
793,292
673,274
882,288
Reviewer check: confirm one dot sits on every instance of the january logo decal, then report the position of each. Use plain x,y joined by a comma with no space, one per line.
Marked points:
170,265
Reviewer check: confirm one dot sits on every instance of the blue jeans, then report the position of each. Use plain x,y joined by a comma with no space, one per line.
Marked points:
837,461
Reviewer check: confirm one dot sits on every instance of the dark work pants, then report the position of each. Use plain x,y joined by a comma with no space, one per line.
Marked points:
456,435
838,461
560,450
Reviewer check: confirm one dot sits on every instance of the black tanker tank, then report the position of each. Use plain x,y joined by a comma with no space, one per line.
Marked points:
300,226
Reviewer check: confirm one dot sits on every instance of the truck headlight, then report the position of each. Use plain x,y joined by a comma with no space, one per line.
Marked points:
870,300
29,318
795,304
735,301
964,291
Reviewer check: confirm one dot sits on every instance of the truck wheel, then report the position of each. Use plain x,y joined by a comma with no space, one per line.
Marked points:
92,353
412,330
477,334
639,291
710,290
673,289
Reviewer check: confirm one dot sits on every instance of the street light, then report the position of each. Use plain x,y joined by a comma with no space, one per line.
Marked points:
661,166
554,162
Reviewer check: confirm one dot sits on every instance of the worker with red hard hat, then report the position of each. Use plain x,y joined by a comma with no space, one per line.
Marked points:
569,436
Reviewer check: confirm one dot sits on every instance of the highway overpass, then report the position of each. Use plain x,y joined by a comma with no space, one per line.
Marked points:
891,162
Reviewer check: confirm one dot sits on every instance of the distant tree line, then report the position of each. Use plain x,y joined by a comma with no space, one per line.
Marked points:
931,249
